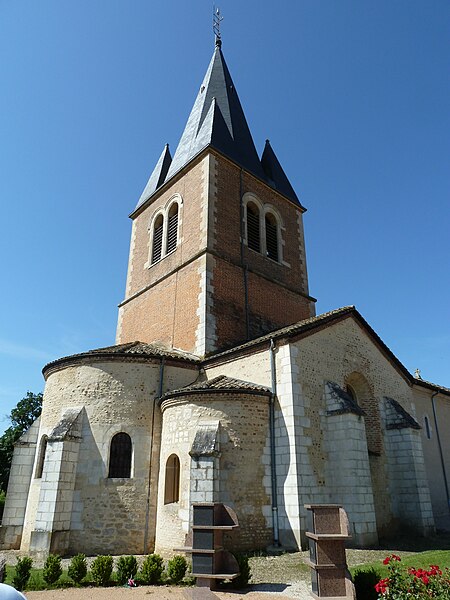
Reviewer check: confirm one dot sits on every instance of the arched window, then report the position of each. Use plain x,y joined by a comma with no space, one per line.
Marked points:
158,228
172,483
253,233
120,456
427,428
172,228
271,236
41,457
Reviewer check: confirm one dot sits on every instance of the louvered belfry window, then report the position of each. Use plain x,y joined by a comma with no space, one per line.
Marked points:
172,482
271,237
120,456
253,236
172,229
157,239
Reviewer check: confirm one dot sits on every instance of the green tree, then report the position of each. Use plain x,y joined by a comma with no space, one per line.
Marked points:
21,417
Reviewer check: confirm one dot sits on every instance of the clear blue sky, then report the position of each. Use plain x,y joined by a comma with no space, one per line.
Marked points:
354,96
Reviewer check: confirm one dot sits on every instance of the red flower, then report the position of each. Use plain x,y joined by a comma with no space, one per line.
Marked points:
382,586
425,579
388,559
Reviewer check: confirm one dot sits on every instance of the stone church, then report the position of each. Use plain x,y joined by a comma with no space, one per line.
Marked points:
224,385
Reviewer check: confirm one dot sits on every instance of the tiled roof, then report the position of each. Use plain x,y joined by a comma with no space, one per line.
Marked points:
299,327
157,350
322,320
127,350
429,384
221,383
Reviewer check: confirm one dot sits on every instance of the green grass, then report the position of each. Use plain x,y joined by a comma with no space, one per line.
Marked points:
420,560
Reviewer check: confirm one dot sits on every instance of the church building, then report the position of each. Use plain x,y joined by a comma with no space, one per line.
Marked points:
224,385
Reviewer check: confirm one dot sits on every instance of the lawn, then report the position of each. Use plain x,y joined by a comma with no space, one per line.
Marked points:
418,560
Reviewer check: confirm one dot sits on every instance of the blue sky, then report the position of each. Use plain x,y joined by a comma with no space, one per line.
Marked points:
354,96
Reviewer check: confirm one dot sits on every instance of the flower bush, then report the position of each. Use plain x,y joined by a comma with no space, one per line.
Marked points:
411,583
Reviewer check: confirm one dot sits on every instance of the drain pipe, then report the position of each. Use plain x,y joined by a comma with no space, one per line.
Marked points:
273,466
243,262
159,394
438,437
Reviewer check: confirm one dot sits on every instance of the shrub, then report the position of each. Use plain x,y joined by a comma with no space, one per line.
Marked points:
151,570
22,575
126,569
176,568
52,569
365,582
101,570
244,571
77,570
413,583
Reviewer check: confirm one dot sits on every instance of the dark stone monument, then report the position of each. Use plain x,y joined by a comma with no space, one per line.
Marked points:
210,561
328,532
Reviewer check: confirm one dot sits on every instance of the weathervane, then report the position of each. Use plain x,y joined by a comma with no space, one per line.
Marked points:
217,18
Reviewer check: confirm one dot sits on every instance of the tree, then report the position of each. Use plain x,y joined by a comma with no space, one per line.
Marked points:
22,417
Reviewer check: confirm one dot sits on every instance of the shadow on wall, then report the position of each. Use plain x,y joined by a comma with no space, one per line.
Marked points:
108,513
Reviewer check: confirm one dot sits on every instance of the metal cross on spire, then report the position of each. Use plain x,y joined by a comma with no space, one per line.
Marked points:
217,18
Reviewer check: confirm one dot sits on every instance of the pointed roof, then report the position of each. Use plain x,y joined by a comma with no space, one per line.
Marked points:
158,176
217,119
275,174
221,384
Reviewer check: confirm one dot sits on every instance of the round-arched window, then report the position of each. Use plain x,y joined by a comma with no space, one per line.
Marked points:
120,456
172,481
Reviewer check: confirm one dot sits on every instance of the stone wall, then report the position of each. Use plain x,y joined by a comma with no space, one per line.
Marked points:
19,483
107,515
308,469
407,482
243,467
433,465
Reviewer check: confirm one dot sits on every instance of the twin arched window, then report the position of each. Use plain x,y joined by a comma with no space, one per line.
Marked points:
164,233
262,231
120,456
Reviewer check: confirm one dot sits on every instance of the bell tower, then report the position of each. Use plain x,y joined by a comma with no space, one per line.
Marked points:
217,253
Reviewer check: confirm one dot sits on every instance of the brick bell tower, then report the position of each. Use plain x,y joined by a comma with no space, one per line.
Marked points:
217,253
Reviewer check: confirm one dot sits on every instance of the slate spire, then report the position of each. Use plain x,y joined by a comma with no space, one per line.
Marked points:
217,119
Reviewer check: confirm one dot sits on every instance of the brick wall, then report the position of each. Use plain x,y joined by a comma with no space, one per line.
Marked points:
196,303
